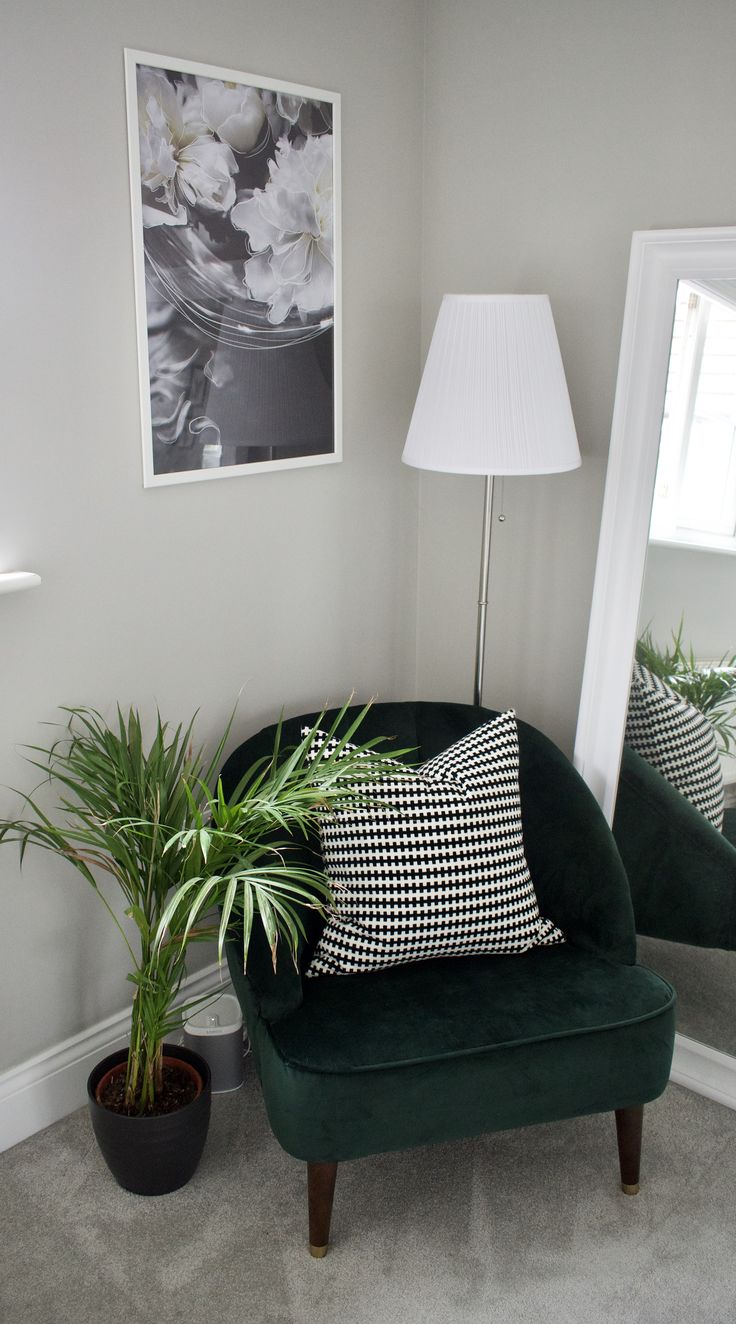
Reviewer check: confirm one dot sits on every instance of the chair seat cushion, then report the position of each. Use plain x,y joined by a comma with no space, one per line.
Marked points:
452,1048
430,1011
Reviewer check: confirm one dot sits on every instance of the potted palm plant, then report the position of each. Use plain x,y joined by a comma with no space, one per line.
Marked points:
155,819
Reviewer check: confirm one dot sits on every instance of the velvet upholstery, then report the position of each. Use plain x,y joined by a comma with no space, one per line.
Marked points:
681,869
360,1064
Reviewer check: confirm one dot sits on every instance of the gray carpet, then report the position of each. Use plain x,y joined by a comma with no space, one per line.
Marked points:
520,1226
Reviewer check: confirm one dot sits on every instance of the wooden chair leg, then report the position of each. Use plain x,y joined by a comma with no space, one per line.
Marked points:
320,1192
628,1130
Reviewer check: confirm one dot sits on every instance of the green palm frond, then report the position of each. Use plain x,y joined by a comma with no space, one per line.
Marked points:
711,689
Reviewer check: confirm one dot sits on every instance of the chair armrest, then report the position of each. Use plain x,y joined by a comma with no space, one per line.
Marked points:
272,993
577,872
682,870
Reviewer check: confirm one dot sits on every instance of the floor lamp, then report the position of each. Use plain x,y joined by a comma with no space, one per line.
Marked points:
492,400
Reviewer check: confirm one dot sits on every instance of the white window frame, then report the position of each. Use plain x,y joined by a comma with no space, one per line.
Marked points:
665,530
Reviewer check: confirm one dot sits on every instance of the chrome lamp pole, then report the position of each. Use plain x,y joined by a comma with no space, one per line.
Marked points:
485,570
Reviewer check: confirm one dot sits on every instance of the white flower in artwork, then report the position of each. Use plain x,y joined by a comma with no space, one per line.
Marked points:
181,161
290,231
232,111
288,110
289,106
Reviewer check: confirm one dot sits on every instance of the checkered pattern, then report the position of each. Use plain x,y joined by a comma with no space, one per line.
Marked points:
434,864
678,740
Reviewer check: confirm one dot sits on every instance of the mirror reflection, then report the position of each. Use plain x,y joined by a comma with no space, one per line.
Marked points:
682,706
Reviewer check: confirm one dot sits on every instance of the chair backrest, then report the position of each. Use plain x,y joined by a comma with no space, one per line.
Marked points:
577,874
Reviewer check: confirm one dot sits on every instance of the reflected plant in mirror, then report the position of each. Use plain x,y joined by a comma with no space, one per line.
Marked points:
709,688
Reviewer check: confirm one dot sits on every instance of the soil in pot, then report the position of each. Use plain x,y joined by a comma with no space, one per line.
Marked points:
181,1085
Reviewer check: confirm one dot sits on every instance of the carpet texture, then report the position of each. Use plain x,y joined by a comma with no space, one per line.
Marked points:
515,1227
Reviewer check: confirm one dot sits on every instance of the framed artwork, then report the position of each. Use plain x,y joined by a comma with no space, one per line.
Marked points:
236,245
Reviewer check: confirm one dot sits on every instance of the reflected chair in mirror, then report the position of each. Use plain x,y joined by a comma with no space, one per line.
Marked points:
442,1049
681,869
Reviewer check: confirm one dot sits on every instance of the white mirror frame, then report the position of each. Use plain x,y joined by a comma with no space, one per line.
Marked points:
659,259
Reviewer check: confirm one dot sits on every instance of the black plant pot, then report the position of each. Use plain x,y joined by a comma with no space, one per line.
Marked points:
152,1155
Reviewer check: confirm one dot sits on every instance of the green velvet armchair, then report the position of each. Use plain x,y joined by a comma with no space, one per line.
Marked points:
681,869
442,1049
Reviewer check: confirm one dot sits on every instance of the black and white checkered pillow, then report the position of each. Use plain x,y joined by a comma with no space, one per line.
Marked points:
433,865
678,740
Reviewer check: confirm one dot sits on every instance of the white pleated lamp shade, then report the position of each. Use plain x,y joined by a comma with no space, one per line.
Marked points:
493,397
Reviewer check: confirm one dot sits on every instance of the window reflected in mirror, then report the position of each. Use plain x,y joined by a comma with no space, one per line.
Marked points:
695,490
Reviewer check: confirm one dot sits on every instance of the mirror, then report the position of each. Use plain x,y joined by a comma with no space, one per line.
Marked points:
637,584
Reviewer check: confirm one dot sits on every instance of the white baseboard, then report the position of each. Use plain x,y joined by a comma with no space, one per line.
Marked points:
53,1084
704,1070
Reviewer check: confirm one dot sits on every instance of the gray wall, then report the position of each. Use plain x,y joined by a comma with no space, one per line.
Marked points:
552,131
697,586
296,586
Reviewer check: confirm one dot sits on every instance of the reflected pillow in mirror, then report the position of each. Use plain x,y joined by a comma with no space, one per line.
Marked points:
676,739
431,863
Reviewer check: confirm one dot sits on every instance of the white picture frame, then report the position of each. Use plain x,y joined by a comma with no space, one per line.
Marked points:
235,201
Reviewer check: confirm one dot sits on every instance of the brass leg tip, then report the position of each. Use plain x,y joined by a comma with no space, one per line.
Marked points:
630,1188
318,1252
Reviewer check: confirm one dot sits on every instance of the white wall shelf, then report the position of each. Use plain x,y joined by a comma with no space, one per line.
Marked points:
14,581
